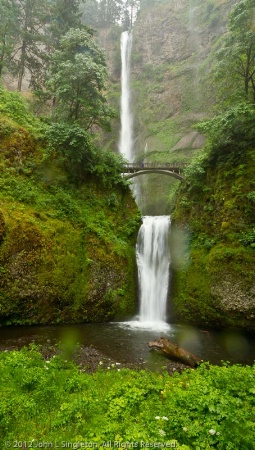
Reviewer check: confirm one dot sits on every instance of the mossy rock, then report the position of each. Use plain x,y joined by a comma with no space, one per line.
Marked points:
54,271
2,226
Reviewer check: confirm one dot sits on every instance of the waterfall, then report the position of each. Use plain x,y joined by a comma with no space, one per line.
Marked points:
153,262
152,245
126,138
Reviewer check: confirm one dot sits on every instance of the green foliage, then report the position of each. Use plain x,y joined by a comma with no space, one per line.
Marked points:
63,16
211,407
77,81
230,134
108,166
71,142
60,221
65,242
14,106
251,196
74,147
8,31
236,56
29,54
195,172
248,238
217,208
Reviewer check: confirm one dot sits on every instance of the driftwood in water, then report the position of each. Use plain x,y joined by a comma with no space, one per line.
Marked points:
174,351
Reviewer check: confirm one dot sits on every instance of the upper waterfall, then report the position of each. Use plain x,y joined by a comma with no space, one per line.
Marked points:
126,134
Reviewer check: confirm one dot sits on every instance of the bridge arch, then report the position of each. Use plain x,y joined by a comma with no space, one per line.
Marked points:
174,169
161,171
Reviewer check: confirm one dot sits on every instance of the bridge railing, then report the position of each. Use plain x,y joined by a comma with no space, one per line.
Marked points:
155,165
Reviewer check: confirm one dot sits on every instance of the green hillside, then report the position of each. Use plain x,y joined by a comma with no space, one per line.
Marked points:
67,243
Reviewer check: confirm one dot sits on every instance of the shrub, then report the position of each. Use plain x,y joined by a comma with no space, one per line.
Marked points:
230,134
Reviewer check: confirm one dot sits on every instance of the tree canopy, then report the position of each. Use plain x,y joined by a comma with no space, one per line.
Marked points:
8,31
236,68
104,13
77,81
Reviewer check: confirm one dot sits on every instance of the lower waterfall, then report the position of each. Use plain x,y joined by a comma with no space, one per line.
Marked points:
153,260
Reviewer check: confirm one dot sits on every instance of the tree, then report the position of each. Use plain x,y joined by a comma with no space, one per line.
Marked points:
64,14
236,68
109,12
230,135
8,31
90,12
104,13
132,7
30,49
77,81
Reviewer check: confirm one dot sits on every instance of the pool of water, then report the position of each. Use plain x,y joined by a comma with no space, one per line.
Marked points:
128,342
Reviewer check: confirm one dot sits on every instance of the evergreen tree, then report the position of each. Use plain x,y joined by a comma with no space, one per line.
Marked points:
90,13
64,14
8,31
29,54
104,13
109,12
132,7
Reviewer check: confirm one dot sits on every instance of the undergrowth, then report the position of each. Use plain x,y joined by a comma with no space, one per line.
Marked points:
53,402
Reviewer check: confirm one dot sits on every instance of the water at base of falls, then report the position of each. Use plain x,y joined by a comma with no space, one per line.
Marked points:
153,260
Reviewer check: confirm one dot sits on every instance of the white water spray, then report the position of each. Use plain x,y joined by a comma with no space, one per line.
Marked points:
153,262
126,134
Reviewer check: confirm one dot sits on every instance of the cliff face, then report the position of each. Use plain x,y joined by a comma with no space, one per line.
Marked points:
171,59
214,248
67,253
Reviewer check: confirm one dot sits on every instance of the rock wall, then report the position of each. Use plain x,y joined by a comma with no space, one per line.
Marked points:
171,62
67,253
213,249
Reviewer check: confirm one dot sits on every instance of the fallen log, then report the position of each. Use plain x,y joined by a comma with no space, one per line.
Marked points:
173,351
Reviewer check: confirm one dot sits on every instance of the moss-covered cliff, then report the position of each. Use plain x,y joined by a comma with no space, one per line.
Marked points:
214,234
67,250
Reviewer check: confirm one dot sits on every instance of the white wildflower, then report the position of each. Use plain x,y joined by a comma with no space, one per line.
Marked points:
157,417
161,432
165,418
100,363
212,431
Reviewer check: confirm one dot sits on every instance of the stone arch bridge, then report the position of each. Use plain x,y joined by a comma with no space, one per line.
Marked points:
175,170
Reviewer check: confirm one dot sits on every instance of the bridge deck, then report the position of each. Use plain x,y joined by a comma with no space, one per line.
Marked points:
134,167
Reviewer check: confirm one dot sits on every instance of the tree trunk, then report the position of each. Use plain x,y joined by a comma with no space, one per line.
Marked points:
21,66
2,54
173,351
